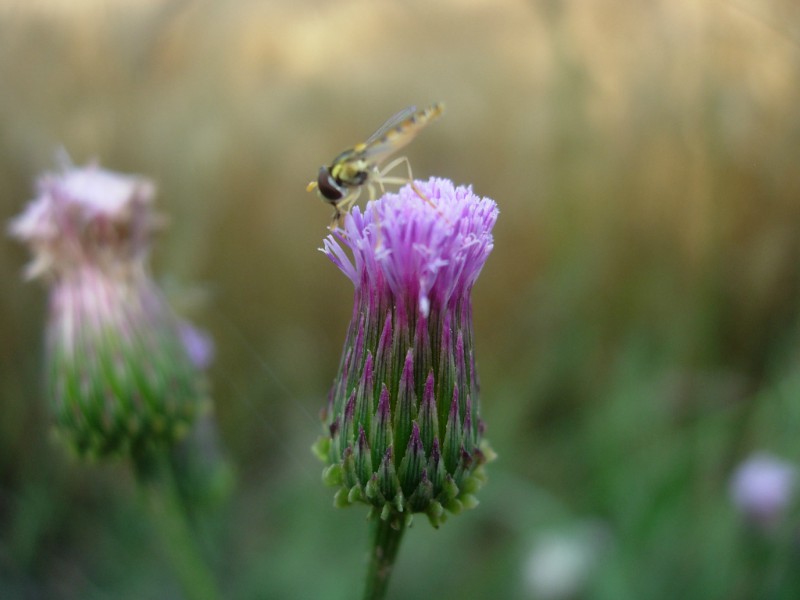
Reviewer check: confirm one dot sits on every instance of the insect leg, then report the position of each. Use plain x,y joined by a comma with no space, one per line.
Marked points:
342,207
400,181
345,204
397,161
410,181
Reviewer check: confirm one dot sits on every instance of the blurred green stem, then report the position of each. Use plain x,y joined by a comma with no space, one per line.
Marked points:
159,483
386,537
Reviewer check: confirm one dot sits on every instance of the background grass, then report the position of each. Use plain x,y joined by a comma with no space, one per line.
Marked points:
637,325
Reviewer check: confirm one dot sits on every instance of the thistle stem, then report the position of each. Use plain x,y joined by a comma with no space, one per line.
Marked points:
161,491
386,537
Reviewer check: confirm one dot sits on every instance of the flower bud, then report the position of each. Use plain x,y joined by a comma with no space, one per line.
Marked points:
402,426
119,376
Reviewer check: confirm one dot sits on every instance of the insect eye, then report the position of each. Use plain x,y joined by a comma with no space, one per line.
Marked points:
327,185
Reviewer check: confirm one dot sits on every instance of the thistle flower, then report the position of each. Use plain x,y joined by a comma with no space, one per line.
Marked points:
762,488
402,426
119,376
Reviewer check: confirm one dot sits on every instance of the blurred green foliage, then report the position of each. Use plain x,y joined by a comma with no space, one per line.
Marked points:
637,325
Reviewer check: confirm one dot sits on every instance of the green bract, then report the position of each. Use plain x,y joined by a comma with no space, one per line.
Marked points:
119,377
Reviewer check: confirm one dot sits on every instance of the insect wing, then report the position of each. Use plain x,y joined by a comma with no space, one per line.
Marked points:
397,132
391,141
392,121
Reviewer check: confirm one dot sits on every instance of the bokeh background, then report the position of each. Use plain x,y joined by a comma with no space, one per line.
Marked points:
637,324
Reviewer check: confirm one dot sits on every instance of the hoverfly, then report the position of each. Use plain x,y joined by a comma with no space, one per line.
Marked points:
340,184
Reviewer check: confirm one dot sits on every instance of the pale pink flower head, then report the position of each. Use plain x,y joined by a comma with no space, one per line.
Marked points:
86,216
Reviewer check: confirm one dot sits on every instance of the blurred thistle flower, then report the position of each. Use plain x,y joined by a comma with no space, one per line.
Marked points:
402,423
762,489
562,562
120,375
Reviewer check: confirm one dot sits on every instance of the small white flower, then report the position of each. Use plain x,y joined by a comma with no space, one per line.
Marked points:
560,563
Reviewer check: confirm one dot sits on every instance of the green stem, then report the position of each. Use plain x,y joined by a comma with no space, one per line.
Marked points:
386,538
172,521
